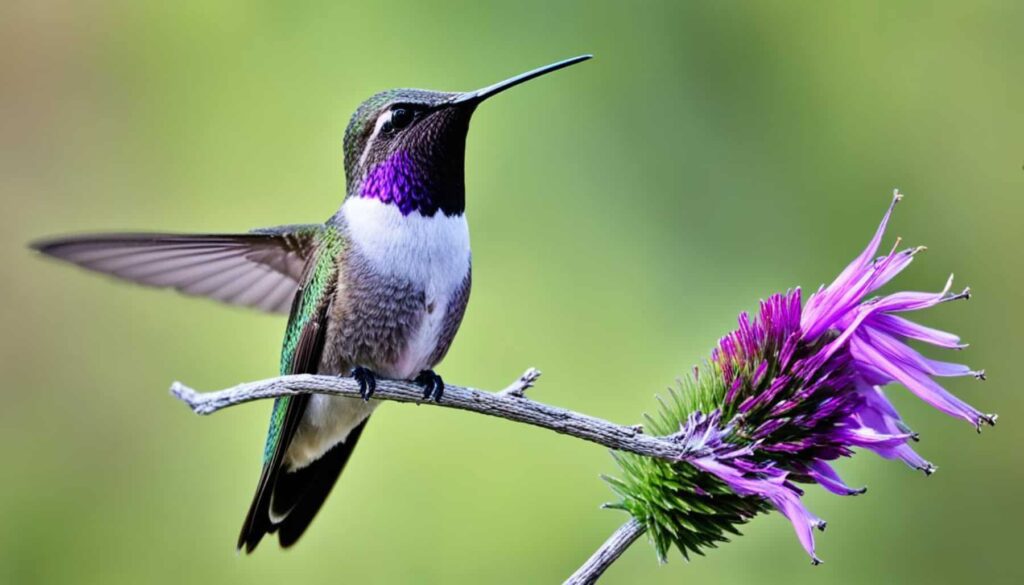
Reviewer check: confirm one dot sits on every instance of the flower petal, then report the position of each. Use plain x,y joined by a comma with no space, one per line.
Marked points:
916,382
774,489
909,356
915,301
900,327
823,305
827,478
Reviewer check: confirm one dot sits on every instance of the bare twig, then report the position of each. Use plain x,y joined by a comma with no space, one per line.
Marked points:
518,388
609,552
510,403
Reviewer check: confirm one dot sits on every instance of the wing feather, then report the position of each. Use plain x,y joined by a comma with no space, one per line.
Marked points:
260,269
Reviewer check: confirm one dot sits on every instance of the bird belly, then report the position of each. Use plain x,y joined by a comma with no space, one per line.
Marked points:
422,344
328,420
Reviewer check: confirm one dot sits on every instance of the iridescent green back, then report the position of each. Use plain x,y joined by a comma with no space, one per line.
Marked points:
319,281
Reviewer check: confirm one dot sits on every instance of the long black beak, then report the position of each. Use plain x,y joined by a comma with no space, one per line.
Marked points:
475,97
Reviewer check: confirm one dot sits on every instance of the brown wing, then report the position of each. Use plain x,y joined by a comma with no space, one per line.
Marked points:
260,269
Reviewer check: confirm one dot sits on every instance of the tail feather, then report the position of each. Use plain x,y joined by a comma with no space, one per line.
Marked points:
257,520
299,495
288,501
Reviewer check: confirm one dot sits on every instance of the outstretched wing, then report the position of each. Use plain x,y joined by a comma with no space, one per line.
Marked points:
260,269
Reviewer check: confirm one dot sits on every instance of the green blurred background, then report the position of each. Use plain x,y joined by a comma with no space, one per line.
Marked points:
622,212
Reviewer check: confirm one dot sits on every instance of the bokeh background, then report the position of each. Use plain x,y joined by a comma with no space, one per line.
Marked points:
622,213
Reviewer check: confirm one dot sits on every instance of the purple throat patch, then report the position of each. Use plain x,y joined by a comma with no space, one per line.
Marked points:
398,181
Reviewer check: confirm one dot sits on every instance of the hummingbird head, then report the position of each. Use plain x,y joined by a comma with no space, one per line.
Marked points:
407,147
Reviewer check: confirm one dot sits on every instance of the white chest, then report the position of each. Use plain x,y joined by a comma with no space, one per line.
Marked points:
431,253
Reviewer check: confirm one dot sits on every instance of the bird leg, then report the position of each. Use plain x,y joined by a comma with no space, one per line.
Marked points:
367,381
433,385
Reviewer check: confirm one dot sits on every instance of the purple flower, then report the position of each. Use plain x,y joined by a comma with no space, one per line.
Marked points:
787,393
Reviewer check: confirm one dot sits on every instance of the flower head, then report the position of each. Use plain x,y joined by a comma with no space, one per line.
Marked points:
785,394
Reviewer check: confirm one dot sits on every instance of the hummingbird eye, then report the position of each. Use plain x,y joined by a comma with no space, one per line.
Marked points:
400,118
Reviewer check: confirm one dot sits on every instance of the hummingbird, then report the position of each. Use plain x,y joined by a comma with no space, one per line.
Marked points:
378,290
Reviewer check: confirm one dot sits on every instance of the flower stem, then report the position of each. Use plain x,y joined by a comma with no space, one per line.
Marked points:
609,552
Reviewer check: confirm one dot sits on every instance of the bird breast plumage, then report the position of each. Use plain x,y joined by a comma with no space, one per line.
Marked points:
420,265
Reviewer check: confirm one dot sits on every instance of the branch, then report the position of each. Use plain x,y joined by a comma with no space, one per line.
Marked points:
511,403
609,552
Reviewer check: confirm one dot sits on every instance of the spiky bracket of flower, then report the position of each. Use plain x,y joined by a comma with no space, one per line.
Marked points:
789,391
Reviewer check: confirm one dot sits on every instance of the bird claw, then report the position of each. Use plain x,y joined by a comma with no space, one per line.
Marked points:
433,385
367,381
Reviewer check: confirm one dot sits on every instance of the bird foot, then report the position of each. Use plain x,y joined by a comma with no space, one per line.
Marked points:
367,381
433,385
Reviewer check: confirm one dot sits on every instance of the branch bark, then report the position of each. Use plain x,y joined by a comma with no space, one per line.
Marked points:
510,403
609,552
